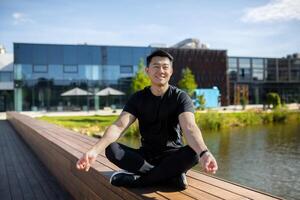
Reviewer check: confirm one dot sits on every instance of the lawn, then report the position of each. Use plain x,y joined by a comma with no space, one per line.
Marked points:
89,125
96,125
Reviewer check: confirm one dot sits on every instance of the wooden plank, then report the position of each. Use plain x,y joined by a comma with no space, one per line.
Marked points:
63,147
46,145
83,147
39,151
23,176
213,190
54,161
87,180
44,131
33,167
14,184
233,187
4,183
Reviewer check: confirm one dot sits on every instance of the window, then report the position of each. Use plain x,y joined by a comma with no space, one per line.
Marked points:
244,62
70,68
295,70
232,74
270,71
258,63
258,69
232,62
283,69
5,76
126,69
40,68
244,74
258,74
232,68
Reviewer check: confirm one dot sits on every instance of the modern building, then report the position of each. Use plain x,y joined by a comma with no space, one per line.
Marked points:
252,78
42,72
6,81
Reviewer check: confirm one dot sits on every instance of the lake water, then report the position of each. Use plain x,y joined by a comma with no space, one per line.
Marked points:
266,158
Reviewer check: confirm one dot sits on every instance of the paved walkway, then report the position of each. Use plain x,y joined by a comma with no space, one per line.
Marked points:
23,176
2,115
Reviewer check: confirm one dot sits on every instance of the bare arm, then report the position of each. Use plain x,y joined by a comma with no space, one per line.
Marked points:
195,140
111,134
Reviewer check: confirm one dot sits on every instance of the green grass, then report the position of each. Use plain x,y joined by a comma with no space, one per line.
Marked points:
215,121
96,125
89,125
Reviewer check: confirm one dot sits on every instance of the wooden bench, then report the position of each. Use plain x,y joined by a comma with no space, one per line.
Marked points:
59,149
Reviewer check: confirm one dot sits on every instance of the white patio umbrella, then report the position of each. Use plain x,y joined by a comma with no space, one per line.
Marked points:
76,92
108,91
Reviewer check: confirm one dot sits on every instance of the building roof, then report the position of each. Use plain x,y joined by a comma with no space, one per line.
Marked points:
6,62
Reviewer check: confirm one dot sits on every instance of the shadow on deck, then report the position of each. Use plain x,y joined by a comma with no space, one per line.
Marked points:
23,175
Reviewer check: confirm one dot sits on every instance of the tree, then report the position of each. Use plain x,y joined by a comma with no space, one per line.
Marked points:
187,83
202,101
274,99
140,80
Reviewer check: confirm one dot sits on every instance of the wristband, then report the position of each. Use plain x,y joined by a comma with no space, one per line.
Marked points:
203,152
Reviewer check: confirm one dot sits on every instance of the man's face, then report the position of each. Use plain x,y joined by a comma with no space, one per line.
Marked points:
159,70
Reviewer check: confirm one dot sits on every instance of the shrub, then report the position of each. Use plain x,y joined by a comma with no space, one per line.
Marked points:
248,118
280,115
267,118
244,102
202,101
210,120
273,99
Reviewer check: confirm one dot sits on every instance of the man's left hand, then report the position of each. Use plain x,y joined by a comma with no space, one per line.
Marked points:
209,163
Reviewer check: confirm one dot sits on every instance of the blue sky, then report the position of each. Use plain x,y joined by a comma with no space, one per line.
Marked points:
265,28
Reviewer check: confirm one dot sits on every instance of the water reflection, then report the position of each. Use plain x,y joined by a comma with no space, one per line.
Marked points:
262,157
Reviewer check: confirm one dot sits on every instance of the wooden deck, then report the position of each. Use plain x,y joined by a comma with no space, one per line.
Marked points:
60,148
23,176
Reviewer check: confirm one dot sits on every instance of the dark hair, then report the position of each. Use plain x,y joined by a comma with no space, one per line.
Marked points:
160,53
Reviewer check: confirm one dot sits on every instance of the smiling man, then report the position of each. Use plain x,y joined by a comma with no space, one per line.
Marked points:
164,112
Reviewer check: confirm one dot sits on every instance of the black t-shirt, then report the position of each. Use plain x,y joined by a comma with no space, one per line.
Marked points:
158,117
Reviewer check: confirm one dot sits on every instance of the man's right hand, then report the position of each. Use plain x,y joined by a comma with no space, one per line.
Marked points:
87,159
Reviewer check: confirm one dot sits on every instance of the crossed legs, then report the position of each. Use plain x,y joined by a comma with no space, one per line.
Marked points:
170,164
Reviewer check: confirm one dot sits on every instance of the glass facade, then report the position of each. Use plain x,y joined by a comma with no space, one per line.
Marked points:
43,73
6,76
283,70
263,75
295,70
271,69
244,69
258,69
232,68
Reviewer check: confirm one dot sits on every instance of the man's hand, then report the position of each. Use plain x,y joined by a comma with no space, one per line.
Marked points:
87,159
209,163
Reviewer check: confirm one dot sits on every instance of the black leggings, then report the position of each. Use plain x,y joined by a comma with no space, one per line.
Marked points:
153,169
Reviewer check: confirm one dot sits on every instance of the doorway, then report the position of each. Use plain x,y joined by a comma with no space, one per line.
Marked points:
2,103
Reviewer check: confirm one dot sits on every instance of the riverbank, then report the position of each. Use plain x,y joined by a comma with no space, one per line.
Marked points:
94,125
213,120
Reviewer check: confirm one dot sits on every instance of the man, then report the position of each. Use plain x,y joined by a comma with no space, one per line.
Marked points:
163,112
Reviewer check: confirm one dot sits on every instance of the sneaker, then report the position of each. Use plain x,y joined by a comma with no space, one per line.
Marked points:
180,182
123,178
